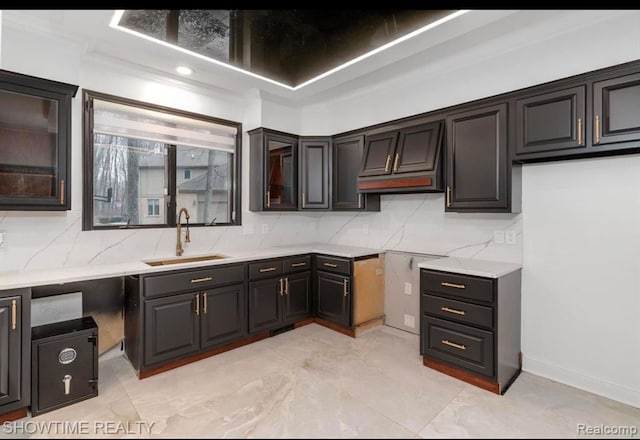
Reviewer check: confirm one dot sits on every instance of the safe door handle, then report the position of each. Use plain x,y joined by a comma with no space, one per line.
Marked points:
67,384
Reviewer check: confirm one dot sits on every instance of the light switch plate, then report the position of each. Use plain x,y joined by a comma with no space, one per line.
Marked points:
498,236
510,237
409,321
407,288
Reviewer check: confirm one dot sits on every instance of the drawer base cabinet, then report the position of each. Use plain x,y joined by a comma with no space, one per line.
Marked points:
470,327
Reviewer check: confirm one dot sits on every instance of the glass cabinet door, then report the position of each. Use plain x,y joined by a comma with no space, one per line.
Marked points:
281,172
34,142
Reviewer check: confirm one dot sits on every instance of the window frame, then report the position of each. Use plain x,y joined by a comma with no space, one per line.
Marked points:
153,207
171,221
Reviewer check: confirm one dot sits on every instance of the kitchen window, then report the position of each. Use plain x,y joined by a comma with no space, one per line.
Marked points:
144,162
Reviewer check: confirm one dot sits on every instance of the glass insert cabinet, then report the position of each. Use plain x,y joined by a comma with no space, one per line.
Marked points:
35,143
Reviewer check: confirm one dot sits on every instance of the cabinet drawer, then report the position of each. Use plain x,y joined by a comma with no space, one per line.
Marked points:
192,280
333,264
265,269
457,344
462,286
295,264
463,312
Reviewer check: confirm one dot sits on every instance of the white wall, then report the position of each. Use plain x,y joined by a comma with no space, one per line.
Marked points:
581,219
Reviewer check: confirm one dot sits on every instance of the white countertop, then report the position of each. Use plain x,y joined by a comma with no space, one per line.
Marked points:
30,278
470,266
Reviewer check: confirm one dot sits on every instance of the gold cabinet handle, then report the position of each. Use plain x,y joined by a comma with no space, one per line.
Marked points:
395,162
303,202
597,128
298,264
448,196
268,199
346,292
62,192
200,280
386,164
286,286
457,286
197,303
359,200
14,313
453,344
579,131
281,286
330,265
457,312
204,303
267,269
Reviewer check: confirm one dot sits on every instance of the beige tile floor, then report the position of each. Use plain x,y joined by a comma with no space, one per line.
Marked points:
314,382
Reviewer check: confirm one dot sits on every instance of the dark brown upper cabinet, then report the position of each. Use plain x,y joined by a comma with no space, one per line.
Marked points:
616,110
552,121
404,160
477,162
35,143
347,156
314,171
274,171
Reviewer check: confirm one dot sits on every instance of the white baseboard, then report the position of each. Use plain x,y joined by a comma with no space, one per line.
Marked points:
549,370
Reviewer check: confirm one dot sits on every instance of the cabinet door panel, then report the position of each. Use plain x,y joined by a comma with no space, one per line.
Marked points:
477,159
264,304
347,154
297,297
223,315
10,352
281,172
333,298
551,121
314,173
616,108
172,327
378,154
417,148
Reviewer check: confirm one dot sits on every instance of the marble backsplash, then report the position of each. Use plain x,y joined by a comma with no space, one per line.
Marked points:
408,222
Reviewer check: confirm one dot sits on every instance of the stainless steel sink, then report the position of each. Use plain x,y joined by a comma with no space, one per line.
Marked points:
179,260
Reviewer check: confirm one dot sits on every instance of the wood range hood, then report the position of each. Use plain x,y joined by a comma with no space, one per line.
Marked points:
404,160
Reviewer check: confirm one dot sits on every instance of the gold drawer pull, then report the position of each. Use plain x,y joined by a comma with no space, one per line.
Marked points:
204,303
448,197
13,314
281,287
298,264
386,164
457,286
267,269
62,192
454,345
457,312
330,265
346,292
597,140
395,162
286,286
579,131
268,196
197,304
200,280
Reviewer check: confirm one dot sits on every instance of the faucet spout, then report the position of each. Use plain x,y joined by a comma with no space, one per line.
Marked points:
179,249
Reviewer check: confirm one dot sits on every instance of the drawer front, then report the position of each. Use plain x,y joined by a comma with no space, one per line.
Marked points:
333,264
295,264
265,269
459,345
461,286
193,280
463,312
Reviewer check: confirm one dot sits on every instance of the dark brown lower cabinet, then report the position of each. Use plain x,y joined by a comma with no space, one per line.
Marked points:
470,327
223,317
333,299
15,342
279,301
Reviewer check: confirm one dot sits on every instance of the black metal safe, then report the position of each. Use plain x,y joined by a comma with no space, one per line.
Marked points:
64,364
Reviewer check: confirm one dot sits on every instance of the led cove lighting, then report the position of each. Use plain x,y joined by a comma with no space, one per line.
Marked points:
115,20
184,70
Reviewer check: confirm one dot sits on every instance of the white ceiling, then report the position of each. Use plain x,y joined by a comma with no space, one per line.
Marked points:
91,29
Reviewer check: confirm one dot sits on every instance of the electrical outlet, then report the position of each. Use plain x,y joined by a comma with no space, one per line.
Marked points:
498,236
247,229
510,237
407,288
409,321
265,228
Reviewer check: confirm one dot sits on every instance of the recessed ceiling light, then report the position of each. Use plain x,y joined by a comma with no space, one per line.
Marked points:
184,70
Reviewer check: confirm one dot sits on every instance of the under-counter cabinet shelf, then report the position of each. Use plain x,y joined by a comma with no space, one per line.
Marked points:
470,326
35,143
171,316
15,350
279,293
